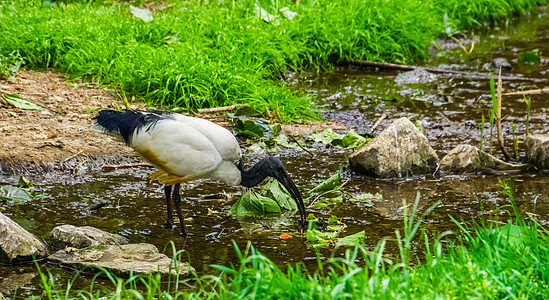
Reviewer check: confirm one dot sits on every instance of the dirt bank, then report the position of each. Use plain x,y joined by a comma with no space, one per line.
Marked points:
60,137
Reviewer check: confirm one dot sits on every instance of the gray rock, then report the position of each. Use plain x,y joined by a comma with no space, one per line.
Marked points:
470,159
400,150
120,259
16,243
537,150
501,62
82,237
418,75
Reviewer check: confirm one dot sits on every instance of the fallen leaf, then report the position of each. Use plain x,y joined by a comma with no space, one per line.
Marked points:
285,236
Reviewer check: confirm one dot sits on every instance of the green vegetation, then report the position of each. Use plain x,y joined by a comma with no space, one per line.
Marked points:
481,260
194,55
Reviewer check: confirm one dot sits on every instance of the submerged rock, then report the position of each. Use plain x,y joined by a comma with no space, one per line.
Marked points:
400,150
82,237
418,75
470,159
497,63
16,243
121,259
537,150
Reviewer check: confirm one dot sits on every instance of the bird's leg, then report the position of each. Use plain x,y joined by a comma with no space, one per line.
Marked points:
177,202
168,193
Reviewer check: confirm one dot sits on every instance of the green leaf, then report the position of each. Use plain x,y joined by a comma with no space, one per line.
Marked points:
257,129
529,58
514,234
143,14
283,140
327,185
248,205
326,136
328,201
318,238
366,198
352,240
254,204
353,140
14,194
334,224
275,130
16,101
275,190
24,183
269,205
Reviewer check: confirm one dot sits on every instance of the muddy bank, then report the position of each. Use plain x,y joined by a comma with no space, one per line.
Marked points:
59,138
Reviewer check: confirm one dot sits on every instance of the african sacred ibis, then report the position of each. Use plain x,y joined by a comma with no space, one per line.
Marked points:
184,148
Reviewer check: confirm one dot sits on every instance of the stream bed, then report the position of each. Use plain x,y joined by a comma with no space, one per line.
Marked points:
450,107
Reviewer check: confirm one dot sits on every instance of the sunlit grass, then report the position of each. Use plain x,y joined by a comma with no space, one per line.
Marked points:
196,55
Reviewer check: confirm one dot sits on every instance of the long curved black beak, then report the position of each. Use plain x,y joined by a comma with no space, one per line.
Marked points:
287,182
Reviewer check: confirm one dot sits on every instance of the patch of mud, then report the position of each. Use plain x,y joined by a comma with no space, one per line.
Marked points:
59,137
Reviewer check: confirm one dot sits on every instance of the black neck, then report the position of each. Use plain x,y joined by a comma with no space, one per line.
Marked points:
255,174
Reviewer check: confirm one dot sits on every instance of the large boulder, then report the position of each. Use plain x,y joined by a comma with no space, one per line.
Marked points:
121,259
537,150
400,150
470,159
16,243
82,237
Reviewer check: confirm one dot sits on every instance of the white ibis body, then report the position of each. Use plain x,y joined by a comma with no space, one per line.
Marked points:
184,148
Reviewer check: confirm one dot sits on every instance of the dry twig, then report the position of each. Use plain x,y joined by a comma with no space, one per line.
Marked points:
498,120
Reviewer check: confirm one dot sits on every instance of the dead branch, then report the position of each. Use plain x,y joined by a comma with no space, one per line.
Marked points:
114,167
300,146
383,116
529,92
463,74
498,120
459,44
219,109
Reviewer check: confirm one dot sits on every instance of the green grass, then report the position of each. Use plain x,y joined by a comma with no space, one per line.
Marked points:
221,53
481,260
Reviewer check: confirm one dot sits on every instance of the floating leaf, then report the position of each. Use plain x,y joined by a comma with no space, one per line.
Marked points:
366,198
248,205
275,190
529,58
24,183
327,185
352,240
14,194
350,140
290,15
326,136
143,14
334,224
16,101
283,140
328,201
318,238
